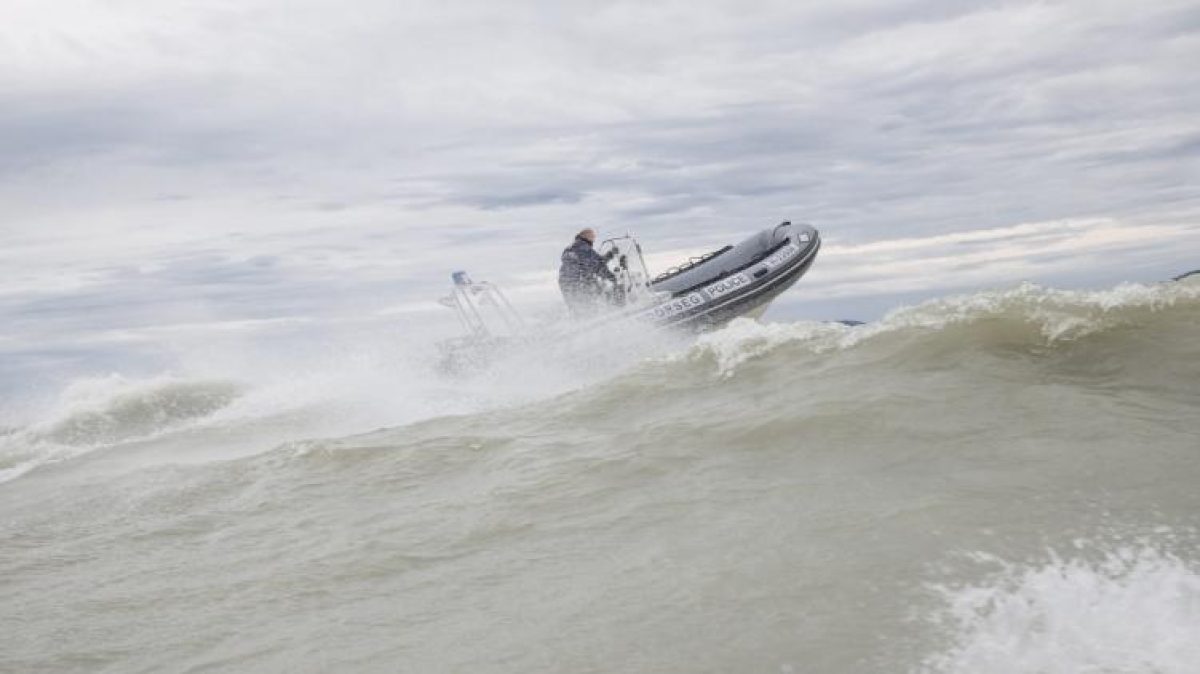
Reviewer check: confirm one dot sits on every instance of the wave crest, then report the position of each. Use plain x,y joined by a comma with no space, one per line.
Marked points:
129,410
101,412
1028,316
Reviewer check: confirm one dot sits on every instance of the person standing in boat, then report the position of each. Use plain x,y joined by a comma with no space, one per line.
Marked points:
582,274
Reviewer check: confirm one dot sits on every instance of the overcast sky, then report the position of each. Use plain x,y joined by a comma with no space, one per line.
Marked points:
170,166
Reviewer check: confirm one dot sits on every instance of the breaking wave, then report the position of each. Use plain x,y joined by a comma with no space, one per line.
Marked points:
1135,608
1028,316
102,412
1026,320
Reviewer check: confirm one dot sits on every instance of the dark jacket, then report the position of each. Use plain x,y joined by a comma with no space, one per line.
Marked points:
582,267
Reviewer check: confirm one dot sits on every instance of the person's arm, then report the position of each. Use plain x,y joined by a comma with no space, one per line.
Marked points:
600,267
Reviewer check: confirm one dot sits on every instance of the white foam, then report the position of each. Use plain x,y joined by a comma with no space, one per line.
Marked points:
1132,610
744,339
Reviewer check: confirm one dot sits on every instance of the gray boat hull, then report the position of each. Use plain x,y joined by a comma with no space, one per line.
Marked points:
737,280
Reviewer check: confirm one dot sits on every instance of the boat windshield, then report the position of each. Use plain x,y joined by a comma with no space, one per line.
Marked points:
628,265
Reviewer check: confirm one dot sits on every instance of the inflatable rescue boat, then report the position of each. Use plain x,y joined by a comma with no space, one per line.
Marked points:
701,293
735,280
